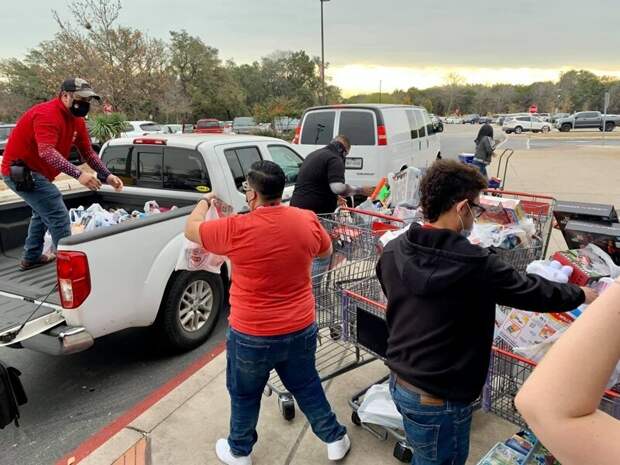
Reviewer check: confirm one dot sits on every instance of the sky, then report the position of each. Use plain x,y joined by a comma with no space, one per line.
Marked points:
393,43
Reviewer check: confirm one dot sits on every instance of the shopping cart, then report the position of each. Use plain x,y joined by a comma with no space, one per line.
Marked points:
507,374
355,239
540,209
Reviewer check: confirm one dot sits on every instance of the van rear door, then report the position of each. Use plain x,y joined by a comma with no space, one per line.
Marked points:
363,163
317,130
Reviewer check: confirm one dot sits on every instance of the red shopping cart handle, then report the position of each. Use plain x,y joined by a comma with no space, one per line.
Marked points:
373,214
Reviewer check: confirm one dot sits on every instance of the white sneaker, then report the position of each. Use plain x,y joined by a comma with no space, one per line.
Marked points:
222,449
339,449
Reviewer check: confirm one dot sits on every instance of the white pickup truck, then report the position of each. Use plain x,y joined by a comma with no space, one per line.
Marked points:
122,276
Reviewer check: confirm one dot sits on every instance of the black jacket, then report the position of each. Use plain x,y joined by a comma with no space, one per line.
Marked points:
442,293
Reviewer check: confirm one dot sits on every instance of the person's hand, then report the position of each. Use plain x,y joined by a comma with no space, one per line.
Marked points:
115,182
89,180
367,191
342,202
591,295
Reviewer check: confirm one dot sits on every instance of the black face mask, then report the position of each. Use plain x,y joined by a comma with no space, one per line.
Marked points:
80,108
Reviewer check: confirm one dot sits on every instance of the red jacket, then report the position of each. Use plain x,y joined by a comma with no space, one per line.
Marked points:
46,123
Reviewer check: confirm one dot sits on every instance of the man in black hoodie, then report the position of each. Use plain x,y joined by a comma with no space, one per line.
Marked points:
442,292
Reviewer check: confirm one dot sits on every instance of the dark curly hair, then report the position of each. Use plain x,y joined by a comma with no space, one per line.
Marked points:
447,182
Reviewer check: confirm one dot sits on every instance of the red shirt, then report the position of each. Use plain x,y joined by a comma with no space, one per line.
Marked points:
46,123
271,251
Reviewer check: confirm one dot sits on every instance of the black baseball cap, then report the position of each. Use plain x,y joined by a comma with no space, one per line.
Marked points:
80,87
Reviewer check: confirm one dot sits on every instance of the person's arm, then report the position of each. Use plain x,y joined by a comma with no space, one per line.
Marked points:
214,235
340,188
561,397
531,292
85,147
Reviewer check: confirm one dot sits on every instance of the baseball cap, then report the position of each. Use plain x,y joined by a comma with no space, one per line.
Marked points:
80,87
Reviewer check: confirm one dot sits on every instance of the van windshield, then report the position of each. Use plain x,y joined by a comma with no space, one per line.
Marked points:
318,128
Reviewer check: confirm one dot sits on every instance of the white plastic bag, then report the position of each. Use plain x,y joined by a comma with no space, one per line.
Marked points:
378,408
48,244
193,257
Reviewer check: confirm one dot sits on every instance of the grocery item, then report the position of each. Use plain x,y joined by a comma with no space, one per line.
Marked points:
501,210
552,270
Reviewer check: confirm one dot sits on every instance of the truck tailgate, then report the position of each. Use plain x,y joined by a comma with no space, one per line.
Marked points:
14,311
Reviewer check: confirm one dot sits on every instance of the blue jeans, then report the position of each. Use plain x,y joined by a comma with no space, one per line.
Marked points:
482,167
249,362
438,431
48,213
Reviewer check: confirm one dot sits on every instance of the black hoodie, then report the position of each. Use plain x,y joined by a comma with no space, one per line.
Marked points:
442,293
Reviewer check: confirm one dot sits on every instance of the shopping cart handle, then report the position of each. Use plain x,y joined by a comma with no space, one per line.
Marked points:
372,214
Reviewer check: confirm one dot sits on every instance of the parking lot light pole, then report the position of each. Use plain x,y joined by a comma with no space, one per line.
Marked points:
323,54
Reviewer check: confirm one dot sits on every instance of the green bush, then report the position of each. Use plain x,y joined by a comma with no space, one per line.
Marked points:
108,126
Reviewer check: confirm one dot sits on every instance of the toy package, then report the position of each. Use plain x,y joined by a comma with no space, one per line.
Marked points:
501,210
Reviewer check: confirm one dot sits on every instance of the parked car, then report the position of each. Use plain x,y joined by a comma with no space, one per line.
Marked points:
485,120
172,128
141,128
454,120
437,123
525,124
471,119
5,131
285,123
209,126
588,120
244,125
116,264
546,117
227,127
384,138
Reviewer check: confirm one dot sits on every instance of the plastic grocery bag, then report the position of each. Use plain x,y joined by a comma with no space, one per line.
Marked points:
48,244
378,408
193,257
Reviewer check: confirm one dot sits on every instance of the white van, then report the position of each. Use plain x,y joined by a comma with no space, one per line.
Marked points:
384,138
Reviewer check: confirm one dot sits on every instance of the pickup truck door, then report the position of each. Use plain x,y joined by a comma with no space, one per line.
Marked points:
289,160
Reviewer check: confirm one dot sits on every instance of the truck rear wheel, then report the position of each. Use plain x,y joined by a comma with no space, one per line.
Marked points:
609,126
190,309
565,128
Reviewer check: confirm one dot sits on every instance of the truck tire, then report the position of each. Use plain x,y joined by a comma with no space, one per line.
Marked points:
190,309
565,127
609,126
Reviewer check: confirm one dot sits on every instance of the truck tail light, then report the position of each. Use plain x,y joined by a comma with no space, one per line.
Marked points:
381,135
297,134
73,278
149,141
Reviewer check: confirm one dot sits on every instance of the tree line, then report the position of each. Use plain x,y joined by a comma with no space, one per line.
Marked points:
576,90
178,80
183,79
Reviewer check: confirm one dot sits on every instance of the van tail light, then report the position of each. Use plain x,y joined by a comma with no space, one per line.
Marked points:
381,135
73,278
297,134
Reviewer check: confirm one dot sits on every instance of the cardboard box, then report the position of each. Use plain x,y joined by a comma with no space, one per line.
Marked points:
583,273
501,210
580,211
578,234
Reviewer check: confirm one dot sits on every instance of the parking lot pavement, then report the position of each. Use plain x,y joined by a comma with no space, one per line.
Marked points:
184,426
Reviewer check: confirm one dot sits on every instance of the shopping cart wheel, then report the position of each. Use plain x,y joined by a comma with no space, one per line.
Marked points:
335,332
402,452
355,419
287,407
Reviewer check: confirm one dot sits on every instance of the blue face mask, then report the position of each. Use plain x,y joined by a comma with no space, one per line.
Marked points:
466,232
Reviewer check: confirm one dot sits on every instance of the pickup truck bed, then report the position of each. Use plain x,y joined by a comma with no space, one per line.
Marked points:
20,289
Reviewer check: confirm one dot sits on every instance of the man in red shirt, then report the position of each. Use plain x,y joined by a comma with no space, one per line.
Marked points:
38,151
272,309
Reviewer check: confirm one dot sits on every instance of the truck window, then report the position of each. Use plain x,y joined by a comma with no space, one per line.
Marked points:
150,164
116,159
239,161
184,169
358,126
288,160
318,128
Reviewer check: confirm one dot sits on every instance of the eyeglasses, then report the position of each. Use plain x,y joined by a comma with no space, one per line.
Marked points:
476,210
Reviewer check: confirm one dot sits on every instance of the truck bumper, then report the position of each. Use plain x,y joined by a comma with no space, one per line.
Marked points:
61,340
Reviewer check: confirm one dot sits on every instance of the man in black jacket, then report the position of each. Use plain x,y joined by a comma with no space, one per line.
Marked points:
442,293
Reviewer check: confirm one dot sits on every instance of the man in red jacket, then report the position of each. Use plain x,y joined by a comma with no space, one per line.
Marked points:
38,151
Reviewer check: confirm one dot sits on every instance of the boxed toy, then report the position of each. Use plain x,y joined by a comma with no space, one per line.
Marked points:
501,210
581,211
579,234
586,271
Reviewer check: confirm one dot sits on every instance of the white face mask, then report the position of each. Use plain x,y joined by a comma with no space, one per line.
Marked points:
466,232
